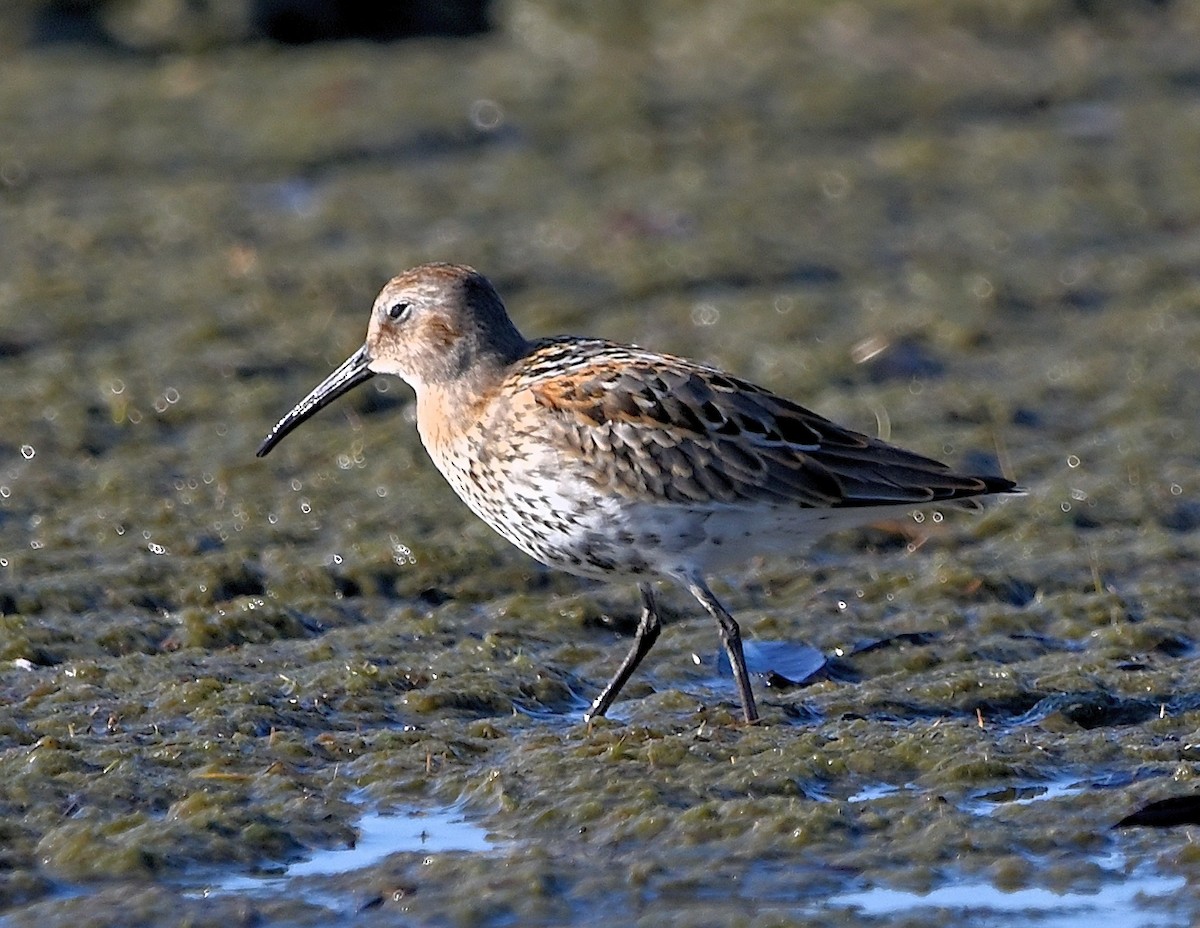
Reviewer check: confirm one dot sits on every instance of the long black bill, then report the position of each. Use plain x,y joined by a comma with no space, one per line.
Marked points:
350,374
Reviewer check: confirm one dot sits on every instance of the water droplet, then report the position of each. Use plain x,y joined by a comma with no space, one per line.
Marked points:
834,184
981,287
402,554
486,115
1072,460
704,314
27,452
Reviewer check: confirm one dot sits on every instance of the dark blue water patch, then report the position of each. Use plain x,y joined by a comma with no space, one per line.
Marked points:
1090,710
1172,646
905,359
293,196
1184,517
1048,643
918,638
1084,299
782,664
1026,417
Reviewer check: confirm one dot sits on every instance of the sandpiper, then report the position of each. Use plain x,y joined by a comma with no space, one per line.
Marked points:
606,460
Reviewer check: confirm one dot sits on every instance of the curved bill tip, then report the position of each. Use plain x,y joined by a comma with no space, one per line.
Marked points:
349,374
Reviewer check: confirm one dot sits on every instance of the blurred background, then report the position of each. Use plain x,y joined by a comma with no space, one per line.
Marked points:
973,229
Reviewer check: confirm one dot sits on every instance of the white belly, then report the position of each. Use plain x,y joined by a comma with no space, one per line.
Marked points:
568,523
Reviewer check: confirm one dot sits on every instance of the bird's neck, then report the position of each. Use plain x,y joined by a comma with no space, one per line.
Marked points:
447,410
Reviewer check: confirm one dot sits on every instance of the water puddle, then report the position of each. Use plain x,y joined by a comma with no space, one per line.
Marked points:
1030,791
789,663
991,801
1023,794
379,836
1140,900
874,791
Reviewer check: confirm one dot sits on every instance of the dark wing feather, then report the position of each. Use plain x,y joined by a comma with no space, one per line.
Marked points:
665,428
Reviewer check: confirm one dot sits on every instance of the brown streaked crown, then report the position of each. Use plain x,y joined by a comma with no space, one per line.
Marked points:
437,323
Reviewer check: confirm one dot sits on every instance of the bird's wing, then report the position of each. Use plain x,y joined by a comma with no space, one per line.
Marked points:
663,428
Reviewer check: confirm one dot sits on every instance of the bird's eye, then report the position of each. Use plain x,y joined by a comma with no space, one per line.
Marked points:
398,312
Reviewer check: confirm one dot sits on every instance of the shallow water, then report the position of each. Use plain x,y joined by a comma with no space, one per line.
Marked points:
1143,900
427,831
972,230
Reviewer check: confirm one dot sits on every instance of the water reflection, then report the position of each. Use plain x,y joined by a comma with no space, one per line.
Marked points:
1138,900
379,836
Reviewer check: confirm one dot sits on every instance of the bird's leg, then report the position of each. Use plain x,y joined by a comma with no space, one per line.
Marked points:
649,626
731,638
